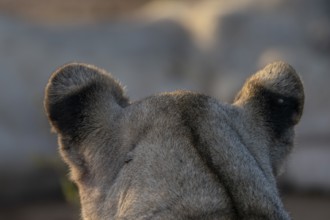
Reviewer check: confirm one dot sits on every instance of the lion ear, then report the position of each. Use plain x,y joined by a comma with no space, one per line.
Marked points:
276,93
81,97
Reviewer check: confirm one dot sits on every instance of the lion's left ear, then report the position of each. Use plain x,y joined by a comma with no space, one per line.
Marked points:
276,93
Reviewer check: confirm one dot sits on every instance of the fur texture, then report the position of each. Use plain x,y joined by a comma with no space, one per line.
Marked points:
179,155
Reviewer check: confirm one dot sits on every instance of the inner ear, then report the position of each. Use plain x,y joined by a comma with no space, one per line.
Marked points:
73,113
280,112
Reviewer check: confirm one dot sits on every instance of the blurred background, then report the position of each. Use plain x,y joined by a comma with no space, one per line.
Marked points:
154,46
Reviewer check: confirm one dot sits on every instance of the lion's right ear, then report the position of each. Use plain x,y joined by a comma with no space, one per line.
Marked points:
80,98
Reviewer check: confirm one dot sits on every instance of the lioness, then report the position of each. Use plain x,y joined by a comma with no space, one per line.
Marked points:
178,155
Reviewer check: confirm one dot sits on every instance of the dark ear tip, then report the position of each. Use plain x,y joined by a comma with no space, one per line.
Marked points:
280,63
70,77
72,74
279,77
70,69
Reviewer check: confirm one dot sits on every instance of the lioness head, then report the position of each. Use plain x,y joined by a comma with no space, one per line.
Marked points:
178,155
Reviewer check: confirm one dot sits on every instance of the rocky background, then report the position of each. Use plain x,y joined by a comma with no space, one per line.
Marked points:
156,46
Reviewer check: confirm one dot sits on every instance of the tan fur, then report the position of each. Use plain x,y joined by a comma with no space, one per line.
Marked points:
179,155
